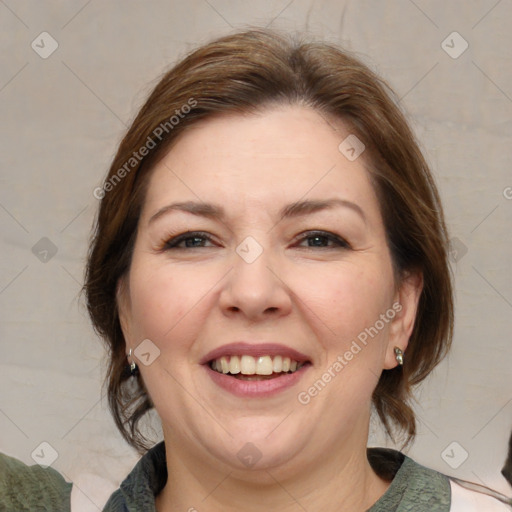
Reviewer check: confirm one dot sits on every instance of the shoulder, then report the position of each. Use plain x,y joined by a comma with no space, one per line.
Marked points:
413,487
464,499
417,488
139,489
24,488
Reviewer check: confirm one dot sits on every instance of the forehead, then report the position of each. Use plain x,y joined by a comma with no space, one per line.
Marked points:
279,154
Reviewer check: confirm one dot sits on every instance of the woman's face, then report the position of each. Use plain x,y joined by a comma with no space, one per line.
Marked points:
284,256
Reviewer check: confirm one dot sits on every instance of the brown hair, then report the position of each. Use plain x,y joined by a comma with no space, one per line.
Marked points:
243,73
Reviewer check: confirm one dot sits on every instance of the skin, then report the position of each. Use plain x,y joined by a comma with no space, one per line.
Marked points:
313,295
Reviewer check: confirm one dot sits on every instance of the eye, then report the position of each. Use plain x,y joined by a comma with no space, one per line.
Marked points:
188,240
323,240
200,239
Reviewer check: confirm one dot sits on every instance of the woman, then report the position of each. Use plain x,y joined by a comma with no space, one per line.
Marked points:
269,263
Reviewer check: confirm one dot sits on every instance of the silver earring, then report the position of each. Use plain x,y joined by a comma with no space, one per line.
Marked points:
134,370
399,356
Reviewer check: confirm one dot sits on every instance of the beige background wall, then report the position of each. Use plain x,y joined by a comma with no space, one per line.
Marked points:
63,115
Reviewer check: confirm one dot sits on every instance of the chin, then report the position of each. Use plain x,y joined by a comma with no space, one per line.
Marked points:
259,444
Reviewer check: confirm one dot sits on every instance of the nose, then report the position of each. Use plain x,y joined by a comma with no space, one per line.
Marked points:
255,290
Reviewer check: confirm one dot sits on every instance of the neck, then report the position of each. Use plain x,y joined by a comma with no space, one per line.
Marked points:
341,481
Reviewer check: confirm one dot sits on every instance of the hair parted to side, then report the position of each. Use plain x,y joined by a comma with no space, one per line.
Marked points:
247,72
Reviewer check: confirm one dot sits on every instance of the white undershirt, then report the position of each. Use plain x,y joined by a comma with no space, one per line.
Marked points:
466,500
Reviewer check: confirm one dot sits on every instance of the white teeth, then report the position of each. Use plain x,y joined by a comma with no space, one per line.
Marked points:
264,366
278,363
234,365
248,365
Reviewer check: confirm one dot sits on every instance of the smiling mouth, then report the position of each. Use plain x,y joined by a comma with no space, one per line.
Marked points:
246,367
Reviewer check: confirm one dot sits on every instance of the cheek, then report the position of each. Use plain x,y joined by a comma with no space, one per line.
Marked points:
345,306
160,300
347,299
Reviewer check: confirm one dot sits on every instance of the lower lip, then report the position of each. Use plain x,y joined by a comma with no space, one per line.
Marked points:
256,388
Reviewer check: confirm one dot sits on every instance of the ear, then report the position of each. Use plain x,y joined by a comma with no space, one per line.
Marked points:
406,306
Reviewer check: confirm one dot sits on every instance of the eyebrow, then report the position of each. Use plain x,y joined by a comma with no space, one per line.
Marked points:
296,209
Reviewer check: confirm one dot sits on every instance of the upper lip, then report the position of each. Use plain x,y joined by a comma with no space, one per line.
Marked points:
256,350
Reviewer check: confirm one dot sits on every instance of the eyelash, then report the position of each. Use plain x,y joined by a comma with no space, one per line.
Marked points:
175,241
